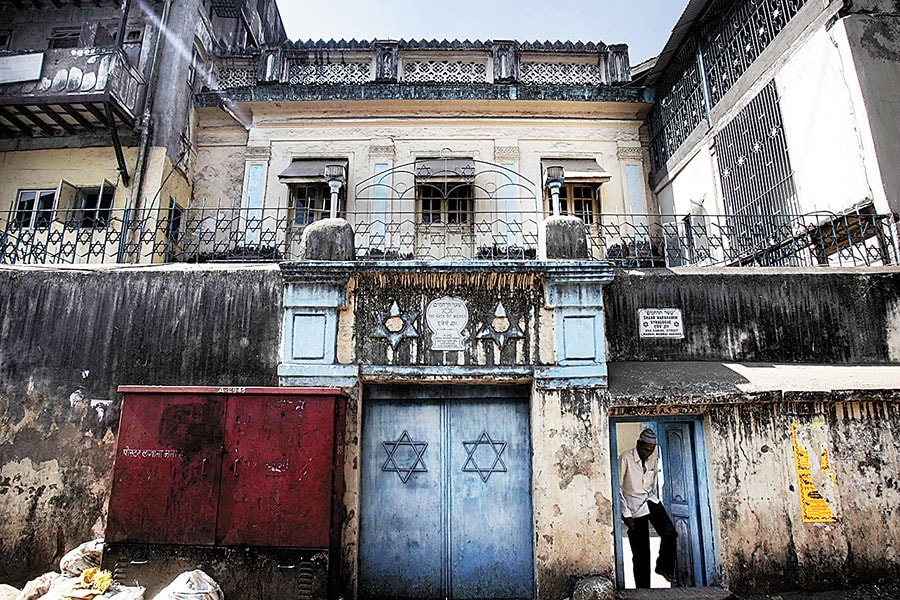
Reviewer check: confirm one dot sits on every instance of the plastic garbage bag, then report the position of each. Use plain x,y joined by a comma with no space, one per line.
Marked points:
8,592
191,585
36,588
121,592
85,556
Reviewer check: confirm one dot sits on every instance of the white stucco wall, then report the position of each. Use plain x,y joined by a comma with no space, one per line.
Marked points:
874,42
694,186
826,127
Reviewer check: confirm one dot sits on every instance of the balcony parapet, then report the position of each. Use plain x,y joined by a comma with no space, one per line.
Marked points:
72,76
550,65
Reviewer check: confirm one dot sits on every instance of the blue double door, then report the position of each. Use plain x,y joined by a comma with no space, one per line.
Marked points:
446,493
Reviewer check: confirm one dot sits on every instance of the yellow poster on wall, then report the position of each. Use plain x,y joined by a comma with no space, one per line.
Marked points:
814,507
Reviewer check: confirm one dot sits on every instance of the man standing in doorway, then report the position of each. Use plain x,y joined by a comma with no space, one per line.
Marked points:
641,504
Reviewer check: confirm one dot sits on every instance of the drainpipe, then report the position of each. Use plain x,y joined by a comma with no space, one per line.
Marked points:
134,202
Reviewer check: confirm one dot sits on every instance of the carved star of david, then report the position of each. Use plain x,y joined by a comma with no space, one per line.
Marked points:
497,449
500,338
395,337
405,471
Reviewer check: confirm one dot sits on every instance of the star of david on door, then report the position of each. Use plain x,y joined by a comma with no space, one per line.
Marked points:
408,461
492,454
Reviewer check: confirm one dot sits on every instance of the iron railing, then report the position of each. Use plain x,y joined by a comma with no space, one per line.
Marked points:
224,233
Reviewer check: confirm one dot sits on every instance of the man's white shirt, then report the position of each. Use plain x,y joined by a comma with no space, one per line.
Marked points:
638,482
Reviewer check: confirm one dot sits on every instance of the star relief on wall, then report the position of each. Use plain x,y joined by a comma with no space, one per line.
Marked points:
501,326
395,325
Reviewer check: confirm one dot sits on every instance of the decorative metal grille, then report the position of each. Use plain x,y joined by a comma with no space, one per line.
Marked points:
755,171
446,209
333,73
444,72
735,34
561,74
225,9
679,106
857,238
232,76
731,36
211,233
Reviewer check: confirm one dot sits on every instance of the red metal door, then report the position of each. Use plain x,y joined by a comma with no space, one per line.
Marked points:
278,470
167,468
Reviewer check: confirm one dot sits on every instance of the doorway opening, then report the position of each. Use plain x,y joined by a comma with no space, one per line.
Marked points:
684,492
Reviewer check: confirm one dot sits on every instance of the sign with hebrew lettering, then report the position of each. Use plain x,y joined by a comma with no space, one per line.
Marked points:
446,318
660,323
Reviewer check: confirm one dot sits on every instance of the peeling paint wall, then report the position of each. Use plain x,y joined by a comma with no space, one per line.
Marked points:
571,499
763,540
841,316
68,338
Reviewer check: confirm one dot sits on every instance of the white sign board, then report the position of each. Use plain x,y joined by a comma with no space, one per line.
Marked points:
662,323
446,318
22,67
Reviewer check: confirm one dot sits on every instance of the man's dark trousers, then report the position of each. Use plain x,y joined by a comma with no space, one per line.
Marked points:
639,536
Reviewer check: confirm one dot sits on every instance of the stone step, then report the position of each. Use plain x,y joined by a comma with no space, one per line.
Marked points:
701,593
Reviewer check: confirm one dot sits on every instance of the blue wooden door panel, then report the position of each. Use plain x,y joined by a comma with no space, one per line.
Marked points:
680,497
446,500
401,534
490,499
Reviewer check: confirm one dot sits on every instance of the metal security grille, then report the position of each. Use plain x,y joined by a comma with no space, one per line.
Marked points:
226,9
756,176
734,34
730,37
679,107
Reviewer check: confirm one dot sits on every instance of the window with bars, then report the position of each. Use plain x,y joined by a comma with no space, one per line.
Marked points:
756,176
577,199
64,37
311,202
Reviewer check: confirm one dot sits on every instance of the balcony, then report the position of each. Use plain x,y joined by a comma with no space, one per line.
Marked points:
67,92
43,233
410,69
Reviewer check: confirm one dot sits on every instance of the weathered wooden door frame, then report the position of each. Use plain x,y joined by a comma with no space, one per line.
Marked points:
704,516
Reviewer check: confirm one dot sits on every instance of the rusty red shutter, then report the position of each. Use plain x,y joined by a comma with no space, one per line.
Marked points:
277,474
167,468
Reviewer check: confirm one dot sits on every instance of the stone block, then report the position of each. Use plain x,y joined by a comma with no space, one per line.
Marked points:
594,588
328,239
562,238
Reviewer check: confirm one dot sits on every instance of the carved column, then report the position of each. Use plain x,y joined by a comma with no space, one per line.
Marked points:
386,53
506,61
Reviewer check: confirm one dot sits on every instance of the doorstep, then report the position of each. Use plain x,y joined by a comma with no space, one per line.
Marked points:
701,593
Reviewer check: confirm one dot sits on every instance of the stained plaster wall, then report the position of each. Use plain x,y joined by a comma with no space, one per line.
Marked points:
762,542
276,139
69,338
827,127
764,315
873,42
42,169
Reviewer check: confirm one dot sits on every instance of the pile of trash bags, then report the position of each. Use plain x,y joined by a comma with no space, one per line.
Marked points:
80,578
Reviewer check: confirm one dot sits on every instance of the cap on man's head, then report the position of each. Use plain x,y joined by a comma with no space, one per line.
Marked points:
648,436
